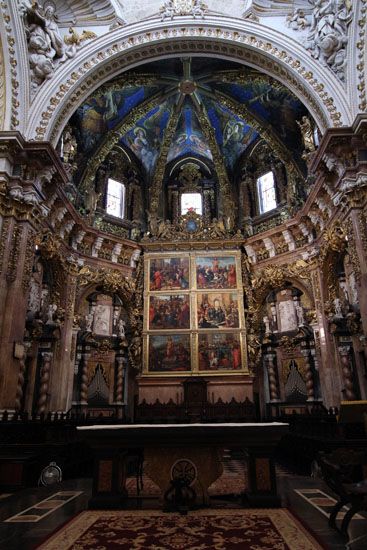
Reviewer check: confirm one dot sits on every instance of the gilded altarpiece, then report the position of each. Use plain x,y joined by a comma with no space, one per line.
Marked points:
193,314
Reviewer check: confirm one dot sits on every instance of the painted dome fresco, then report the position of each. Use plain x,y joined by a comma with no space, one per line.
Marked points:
198,102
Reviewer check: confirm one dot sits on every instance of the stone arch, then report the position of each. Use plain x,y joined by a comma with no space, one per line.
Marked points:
243,41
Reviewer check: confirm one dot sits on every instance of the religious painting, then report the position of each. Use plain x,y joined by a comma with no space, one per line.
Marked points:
219,352
217,310
169,274
146,137
101,112
232,133
215,272
169,311
169,353
189,138
274,104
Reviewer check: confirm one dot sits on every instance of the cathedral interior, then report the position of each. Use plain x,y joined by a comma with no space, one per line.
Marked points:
183,221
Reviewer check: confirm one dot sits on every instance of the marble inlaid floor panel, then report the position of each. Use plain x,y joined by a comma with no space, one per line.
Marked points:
323,502
43,508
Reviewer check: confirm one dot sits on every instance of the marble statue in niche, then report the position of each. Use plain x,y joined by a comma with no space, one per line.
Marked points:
89,318
338,308
267,324
306,129
119,322
35,293
300,314
121,328
51,311
352,284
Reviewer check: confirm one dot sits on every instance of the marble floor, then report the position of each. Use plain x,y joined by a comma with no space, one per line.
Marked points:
28,517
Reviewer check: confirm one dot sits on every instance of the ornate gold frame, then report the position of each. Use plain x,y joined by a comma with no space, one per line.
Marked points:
194,331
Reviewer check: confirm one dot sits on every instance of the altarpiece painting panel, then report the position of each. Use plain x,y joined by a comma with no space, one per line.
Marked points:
215,272
217,310
219,352
169,274
194,317
169,311
168,353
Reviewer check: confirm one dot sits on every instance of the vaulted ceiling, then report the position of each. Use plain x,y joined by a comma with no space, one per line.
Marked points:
207,104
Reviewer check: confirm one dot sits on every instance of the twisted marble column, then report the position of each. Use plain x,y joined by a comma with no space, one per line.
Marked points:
84,381
347,372
120,380
20,384
44,382
273,383
309,376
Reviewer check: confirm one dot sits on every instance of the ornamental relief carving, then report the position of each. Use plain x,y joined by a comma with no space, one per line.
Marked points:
47,48
2,88
14,121
131,293
328,35
362,56
141,52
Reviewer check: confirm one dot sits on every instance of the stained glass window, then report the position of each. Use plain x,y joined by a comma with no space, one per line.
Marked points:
266,192
115,198
191,202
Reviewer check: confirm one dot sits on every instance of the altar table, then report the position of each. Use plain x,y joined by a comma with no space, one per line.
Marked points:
172,444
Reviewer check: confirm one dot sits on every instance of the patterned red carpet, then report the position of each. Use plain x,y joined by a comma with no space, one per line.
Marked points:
199,530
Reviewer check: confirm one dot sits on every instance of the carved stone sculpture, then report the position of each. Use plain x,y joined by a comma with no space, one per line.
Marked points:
297,20
307,134
172,8
69,146
52,308
89,321
46,46
267,324
121,328
328,36
300,315
338,307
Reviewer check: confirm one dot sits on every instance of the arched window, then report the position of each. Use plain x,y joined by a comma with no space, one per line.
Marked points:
266,192
115,204
191,202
